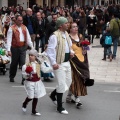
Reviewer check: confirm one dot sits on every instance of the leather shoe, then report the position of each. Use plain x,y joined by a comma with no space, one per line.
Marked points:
12,80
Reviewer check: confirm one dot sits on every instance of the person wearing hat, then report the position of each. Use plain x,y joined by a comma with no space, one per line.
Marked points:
33,84
59,52
18,40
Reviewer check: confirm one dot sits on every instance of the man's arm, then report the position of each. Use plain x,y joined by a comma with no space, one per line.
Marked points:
9,40
51,49
29,42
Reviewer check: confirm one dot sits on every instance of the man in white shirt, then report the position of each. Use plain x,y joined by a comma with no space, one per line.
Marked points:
59,52
18,39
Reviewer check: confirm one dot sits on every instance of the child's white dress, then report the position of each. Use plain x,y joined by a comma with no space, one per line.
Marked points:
34,89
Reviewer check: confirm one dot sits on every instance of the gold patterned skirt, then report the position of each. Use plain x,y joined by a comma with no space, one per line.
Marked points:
80,71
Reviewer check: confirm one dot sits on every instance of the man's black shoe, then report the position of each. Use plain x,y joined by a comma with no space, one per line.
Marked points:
11,79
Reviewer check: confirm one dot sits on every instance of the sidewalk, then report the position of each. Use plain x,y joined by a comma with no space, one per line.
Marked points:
103,71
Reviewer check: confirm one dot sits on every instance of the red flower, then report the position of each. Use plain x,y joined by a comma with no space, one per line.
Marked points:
85,42
29,69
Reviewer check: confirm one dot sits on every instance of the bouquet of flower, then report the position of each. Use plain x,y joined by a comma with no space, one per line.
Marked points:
85,46
29,69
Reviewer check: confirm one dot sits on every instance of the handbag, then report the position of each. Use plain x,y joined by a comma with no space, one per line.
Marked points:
45,63
89,82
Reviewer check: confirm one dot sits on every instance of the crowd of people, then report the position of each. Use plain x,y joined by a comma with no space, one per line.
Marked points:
61,33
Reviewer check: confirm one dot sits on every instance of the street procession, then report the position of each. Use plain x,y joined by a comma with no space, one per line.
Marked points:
60,59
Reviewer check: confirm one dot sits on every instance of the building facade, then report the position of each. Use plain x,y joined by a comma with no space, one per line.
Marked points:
29,3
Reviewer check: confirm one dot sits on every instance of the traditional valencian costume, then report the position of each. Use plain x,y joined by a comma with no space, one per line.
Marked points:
33,84
59,50
80,72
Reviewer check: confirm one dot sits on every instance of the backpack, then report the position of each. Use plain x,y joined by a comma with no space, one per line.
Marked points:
108,40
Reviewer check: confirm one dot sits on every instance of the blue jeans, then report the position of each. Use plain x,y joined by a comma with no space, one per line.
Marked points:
115,45
107,51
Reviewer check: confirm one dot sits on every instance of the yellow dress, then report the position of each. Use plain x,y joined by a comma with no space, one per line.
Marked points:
78,52
80,61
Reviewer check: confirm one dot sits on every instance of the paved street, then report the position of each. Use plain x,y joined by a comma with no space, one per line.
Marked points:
103,71
101,103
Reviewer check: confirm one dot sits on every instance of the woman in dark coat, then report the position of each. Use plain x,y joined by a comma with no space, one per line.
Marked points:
82,23
91,23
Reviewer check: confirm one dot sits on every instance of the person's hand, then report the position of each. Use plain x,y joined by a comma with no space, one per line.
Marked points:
55,66
9,53
72,55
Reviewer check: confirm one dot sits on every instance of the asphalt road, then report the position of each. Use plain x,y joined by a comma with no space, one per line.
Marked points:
101,103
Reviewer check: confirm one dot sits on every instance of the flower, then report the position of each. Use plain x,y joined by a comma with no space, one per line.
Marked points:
85,46
85,43
29,69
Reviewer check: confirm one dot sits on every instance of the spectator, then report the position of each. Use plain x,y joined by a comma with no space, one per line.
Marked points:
106,47
91,24
30,23
115,32
50,28
82,23
40,37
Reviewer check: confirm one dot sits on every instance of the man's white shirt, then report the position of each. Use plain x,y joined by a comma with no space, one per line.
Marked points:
51,49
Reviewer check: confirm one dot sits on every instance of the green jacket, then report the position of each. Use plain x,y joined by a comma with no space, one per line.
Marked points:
114,27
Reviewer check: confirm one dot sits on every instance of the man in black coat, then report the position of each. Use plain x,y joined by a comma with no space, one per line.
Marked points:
30,22
51,27
75,15
40,33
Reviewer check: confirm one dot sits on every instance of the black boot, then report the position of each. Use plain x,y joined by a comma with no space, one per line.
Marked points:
60,109
34,104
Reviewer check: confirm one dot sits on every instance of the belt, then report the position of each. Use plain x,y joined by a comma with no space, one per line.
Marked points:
67,57
21,44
